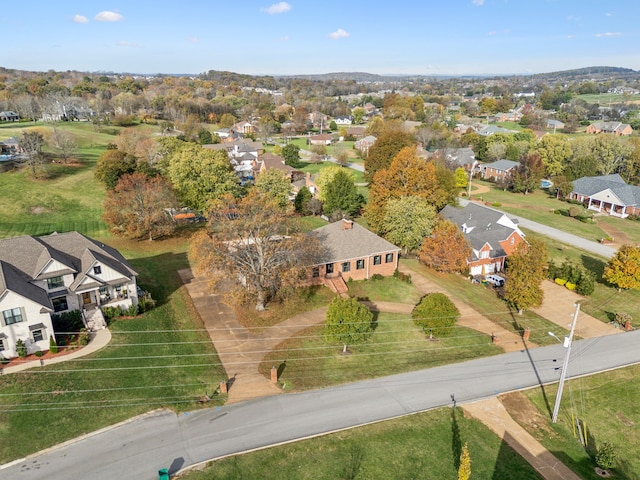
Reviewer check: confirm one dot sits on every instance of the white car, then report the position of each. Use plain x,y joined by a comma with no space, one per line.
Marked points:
495,280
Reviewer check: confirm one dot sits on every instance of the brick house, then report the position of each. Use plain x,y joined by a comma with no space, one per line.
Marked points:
352,252
499,171
608,194
493,236
56,273
614,128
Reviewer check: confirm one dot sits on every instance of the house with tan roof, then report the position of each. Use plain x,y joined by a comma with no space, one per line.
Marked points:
41,276
613,128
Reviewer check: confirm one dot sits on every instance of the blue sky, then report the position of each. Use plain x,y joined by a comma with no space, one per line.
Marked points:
429,37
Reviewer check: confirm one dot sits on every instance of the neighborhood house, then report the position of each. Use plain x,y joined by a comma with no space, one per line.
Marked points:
608,194
492,235
41,276
351,252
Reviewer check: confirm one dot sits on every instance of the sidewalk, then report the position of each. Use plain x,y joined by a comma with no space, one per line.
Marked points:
492,413
100,339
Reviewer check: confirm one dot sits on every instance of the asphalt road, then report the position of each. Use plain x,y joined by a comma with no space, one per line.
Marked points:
140,448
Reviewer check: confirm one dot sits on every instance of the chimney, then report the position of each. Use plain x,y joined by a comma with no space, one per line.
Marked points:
347,224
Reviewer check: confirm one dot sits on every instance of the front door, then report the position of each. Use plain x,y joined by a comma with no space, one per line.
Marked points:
86,298
329,268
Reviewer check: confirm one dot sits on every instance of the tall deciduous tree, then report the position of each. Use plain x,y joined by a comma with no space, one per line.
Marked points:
386,147
445,250
408,175
200,176
348,322
528,174
112,165
135,207
254,244
407,221
32,143
623,270
436,314
276,185
291,155
555,151
341,194
526,271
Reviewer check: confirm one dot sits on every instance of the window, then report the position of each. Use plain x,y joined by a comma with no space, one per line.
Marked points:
484,254
346,266
359,264
12,316
377,260
2,347
38,335
97,269
59,304
513,240
388,258
316,272
329,268
55,282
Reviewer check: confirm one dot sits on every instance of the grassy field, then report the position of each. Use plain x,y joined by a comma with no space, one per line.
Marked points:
603,98
70,199
422,446
162,359
608,404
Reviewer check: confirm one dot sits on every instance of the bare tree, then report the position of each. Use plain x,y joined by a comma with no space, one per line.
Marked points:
31,144
63,143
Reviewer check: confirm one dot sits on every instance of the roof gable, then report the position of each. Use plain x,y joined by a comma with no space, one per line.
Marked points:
345,244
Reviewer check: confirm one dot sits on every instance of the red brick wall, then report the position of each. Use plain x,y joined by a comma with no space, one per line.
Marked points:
384,268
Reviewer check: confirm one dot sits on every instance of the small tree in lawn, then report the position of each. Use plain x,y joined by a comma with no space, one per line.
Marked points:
623,270
348,322
464,470
606,456
435,314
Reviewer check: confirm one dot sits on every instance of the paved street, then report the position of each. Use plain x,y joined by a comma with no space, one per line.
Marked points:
138,449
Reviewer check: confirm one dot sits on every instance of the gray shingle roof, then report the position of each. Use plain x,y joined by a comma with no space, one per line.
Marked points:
590,186
357,242
504,165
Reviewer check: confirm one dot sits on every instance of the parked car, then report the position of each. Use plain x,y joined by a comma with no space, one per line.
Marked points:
495,280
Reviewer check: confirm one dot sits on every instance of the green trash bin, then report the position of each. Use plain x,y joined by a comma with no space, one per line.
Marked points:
163,474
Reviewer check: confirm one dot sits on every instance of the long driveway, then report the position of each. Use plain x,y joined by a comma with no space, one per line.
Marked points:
139,448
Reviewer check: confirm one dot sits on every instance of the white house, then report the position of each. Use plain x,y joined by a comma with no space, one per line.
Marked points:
56,273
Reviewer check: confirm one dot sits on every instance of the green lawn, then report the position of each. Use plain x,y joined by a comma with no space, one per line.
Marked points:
397,345
603,98
608,404
422,446
161,359
70,199
485,301
314,168
388,289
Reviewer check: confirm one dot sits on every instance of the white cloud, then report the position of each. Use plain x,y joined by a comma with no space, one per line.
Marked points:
608,14
492,33
573,18
193,39
107,16
277,8
340,33
80,19
284,39
609,34
478,3
570,36
125,43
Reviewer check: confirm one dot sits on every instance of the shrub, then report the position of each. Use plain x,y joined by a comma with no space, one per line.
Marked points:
132,310
575,211
570,286
67,321
622,318
109,312
53,346
606,456
38,353
403,277
21,348
146,303
587,283
435,314
84,337
496,204
560,281
377,276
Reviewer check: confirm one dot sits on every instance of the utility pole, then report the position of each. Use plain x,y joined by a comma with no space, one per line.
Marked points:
568,341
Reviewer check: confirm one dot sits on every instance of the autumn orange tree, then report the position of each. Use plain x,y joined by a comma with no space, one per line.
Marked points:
408,175
135,207
386,147
253,243
623,270
446,249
